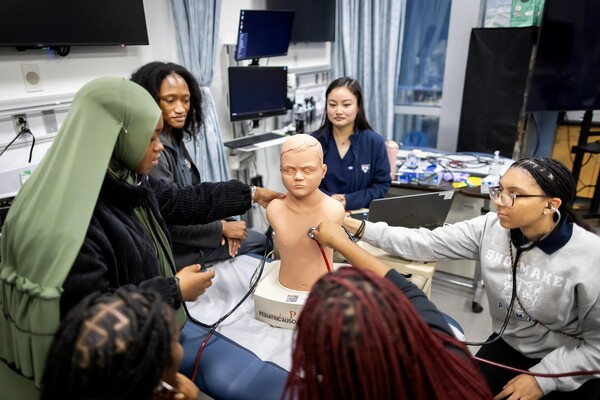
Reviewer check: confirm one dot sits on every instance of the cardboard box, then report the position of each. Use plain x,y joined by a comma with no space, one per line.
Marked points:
526,13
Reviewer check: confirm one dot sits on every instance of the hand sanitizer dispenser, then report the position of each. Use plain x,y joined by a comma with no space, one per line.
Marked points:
493,179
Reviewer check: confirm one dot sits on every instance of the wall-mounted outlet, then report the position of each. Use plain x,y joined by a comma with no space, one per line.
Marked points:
20,122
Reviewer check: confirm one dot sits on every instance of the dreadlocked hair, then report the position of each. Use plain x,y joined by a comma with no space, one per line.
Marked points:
359,337
555,179
110,347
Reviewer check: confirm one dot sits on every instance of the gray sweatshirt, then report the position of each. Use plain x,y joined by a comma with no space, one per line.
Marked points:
558,284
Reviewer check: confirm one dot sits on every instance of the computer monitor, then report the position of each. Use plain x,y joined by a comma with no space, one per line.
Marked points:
257,92
263,33
314,20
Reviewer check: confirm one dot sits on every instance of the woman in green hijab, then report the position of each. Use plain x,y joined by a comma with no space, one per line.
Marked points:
90,219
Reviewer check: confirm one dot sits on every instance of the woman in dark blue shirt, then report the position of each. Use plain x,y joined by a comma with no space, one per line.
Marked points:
358,168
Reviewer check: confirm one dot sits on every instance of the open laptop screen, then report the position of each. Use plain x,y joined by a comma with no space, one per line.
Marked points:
426,210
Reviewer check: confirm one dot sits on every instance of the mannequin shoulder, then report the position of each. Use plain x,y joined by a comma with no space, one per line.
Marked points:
333,207
275,207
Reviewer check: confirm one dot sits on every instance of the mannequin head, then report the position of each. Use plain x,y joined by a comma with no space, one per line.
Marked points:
301,165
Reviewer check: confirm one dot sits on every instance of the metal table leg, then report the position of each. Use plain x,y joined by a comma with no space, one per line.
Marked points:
477,281
478,286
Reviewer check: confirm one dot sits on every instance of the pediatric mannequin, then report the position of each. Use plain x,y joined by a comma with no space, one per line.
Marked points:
302,169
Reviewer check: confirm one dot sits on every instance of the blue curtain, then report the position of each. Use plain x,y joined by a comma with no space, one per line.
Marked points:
197,27
367,47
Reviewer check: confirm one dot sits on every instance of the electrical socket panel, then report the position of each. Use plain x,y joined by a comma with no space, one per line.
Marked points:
19,122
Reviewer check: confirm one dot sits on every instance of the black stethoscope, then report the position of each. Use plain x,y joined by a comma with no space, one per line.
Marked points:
515,262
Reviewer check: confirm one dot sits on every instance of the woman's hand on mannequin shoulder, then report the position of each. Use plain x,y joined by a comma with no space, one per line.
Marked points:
264,196
524,387
193,283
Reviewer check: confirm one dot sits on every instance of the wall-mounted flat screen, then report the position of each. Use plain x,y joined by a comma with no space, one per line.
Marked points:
38,24
314,20
257,92
263,33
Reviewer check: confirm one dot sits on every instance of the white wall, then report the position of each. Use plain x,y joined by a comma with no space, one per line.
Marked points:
464,16
61,77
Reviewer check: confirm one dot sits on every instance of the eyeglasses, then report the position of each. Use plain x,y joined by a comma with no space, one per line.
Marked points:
507,198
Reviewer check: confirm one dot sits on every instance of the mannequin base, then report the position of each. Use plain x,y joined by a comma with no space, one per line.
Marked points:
274,303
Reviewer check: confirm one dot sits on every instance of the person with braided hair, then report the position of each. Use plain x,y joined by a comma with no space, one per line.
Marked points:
119,346
539,263
368,333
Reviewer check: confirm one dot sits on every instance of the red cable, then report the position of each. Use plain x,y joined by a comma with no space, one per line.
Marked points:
200,350
540,374
324,256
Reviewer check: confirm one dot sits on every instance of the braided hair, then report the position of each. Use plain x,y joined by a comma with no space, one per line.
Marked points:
359,337
555,179
111,347
152,75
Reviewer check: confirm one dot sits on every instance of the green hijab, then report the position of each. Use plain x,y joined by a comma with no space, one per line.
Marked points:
111,121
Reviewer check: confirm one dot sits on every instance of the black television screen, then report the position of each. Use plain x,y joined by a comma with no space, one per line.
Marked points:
314,20
263,33
39,24
257,92
566,72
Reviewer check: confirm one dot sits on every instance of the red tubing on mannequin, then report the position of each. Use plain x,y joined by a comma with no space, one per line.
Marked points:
324,255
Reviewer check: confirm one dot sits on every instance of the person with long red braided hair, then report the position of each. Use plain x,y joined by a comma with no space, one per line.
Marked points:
368,333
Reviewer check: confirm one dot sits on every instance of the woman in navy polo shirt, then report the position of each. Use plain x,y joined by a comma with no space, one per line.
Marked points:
358,169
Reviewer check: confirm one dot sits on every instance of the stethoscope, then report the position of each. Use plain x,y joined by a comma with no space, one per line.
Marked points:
515,262
513,295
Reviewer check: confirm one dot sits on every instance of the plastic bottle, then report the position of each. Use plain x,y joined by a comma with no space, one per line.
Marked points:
493,179
392,152
496,165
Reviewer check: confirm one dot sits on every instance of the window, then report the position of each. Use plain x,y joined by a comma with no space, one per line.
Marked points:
419,92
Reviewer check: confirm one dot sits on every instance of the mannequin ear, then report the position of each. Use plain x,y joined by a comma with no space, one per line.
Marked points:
324,170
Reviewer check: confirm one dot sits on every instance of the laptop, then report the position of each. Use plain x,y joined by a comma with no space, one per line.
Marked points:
426,210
